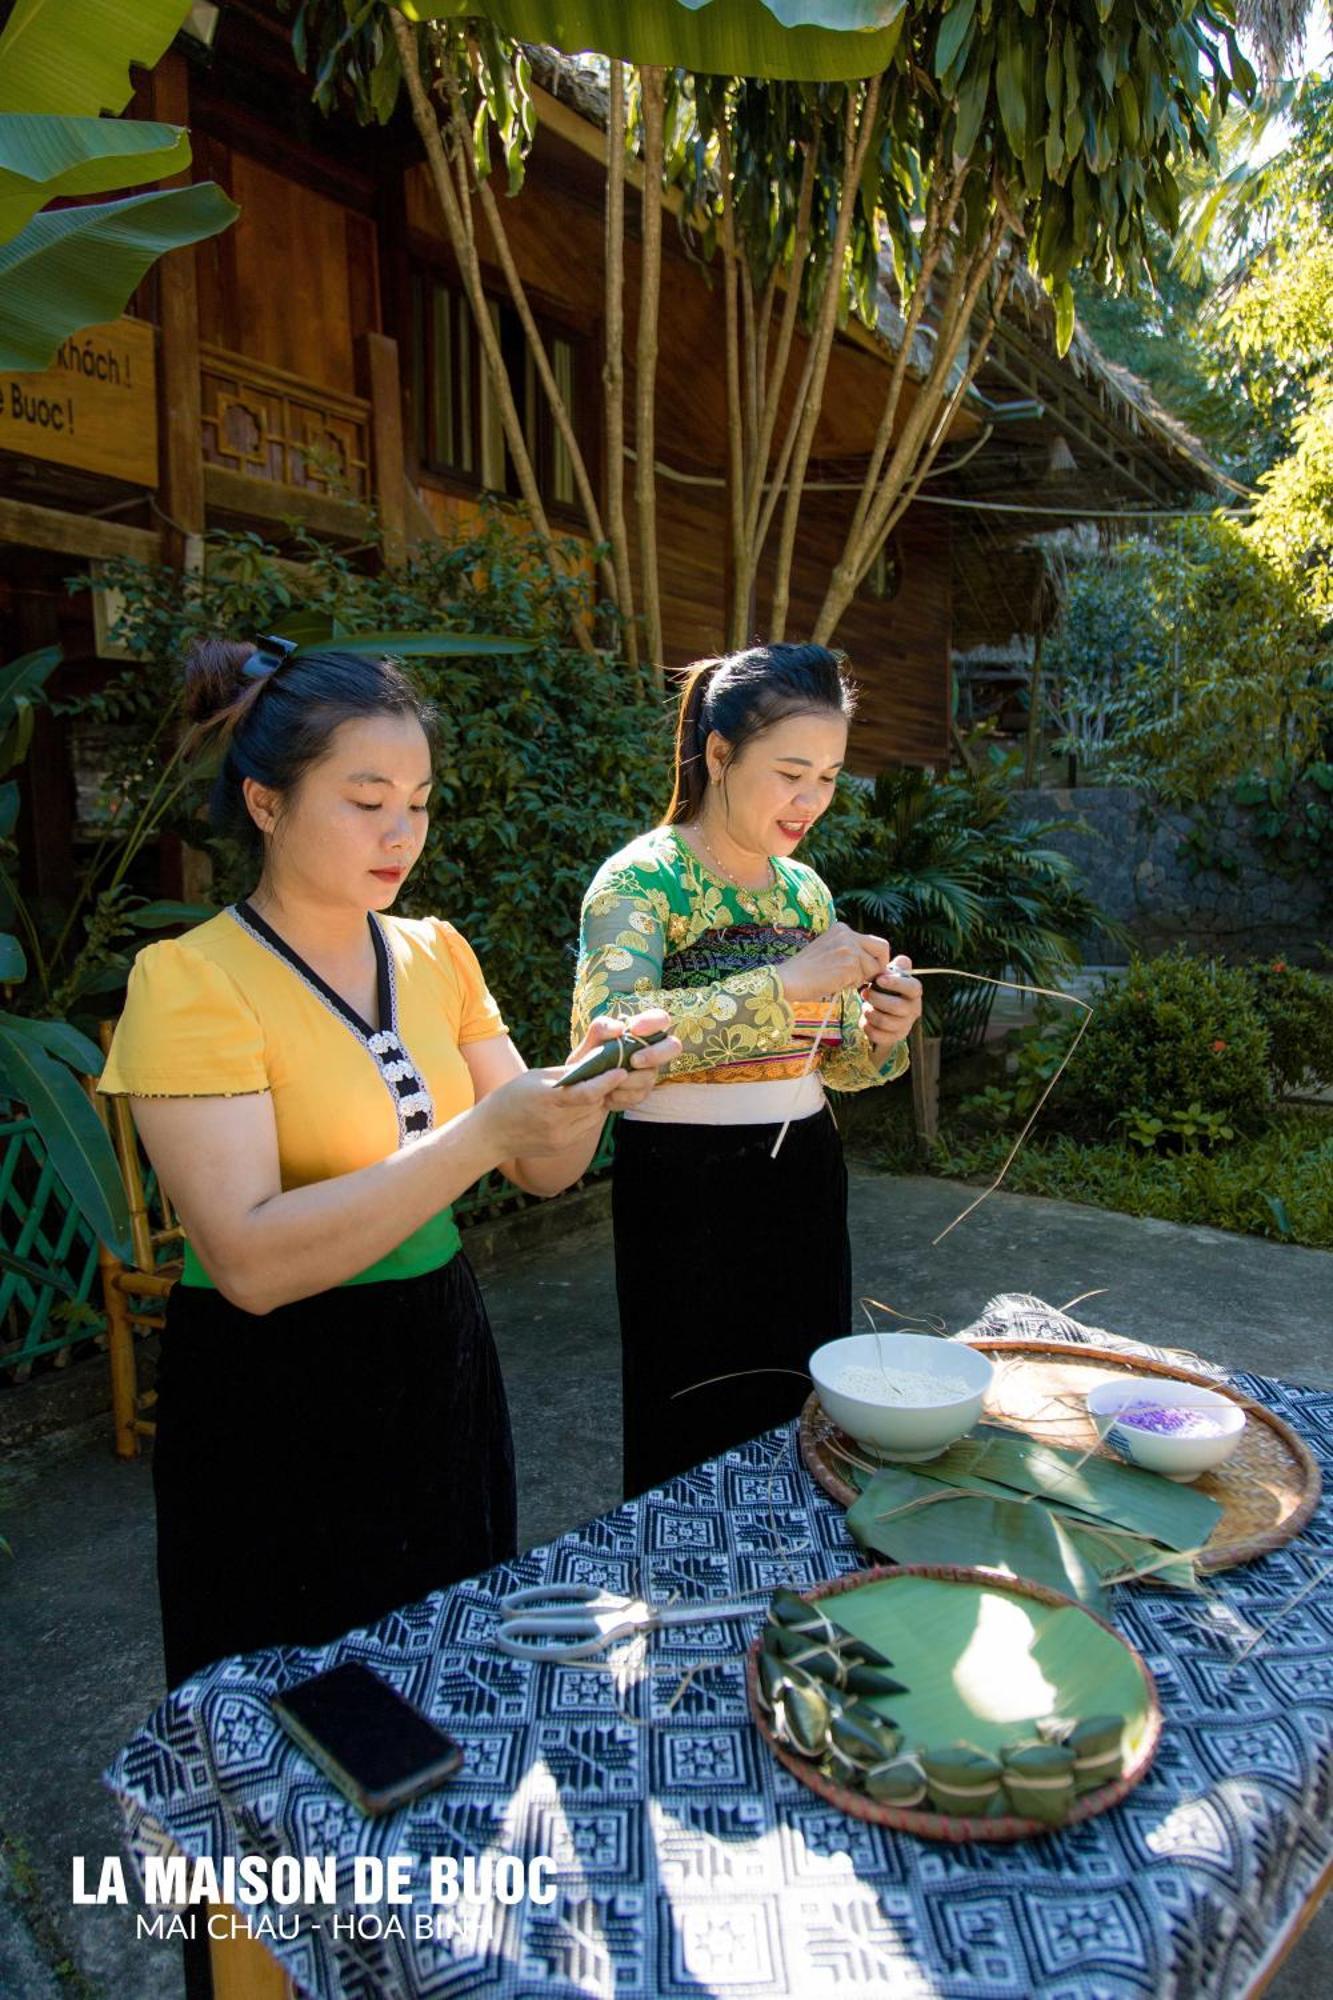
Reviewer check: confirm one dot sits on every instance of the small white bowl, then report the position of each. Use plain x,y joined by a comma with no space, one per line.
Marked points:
1175,1457
903,1424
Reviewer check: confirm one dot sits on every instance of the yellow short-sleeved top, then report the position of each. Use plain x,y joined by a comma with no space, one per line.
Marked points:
230,1009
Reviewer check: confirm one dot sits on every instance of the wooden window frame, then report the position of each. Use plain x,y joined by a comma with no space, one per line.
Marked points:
427,271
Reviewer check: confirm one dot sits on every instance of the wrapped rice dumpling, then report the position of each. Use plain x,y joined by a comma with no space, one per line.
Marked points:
960,1780
801,1718
858,1738
900,1782
1099,1756
1039,1779
1097,1744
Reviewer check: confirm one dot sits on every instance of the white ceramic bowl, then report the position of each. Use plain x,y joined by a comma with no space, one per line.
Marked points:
902,1422
1175,1457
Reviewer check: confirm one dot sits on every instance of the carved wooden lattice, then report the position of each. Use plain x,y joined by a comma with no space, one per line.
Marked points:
269,425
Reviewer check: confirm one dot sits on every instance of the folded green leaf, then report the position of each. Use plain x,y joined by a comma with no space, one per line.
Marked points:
900,1516
1180,1517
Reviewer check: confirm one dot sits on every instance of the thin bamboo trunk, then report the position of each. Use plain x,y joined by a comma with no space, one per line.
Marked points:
459,225
564,423
928,423
652,81
856,139
613,367
739,435
1033,709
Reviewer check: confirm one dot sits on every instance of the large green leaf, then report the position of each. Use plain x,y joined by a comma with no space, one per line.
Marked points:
77,267
155,916
806,40
316,631
74,1135
1125,1496
911,1519
73,56
9,808
45,157
13,963
59,1040
24,675
984,1665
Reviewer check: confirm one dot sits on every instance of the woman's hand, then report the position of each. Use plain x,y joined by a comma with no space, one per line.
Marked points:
888,1017
837,959
529,1117
630,1087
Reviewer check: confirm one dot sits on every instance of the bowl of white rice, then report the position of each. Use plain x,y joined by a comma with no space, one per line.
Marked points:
908,1395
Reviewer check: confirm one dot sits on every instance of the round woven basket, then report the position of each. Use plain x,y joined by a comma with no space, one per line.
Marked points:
945,1826
1267,1490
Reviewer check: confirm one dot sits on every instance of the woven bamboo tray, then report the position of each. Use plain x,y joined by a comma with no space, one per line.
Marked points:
946,1826
1268,1488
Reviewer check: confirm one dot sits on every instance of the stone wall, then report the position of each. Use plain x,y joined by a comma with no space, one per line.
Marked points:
1131,861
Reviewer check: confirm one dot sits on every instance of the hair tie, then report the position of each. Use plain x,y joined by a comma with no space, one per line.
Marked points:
270,653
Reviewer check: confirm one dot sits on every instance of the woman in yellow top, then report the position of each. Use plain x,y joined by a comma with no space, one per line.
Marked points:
711,919
315,1082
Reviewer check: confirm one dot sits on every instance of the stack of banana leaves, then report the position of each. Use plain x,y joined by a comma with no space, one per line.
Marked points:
1076,1523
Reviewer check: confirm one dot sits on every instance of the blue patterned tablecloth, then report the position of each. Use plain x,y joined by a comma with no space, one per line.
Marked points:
690,1862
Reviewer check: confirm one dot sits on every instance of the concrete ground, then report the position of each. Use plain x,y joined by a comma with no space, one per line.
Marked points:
79,1646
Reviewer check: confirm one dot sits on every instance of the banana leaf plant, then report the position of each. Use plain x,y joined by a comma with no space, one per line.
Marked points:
64,63
812,41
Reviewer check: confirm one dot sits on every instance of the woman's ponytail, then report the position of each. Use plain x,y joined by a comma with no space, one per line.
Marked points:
690,777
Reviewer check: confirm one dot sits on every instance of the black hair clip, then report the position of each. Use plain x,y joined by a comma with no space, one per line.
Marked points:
269,654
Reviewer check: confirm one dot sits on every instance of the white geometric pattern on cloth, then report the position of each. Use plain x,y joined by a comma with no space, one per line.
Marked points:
689,1861
414,1109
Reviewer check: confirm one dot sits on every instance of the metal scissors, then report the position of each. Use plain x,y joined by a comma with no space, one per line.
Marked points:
564,1622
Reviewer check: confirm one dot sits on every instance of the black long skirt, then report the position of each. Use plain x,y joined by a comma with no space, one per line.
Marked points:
318,1466
727,1262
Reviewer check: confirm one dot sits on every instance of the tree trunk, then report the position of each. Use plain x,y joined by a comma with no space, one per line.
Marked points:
613,368
652,82
459,225
933,411
564,423
854,146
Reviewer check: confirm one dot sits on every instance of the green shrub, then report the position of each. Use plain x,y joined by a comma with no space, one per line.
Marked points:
548,760
1168,1034
1296,1008
1279,1184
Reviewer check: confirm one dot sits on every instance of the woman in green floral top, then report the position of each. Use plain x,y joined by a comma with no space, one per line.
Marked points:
710,917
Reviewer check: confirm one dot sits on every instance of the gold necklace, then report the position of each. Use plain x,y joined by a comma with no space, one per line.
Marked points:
747,898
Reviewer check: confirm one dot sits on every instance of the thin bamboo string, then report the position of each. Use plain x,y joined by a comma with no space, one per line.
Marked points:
981,979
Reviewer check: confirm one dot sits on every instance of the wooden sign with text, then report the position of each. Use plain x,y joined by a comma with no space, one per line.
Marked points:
96,408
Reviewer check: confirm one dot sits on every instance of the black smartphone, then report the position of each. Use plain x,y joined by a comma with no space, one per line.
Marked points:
377,1749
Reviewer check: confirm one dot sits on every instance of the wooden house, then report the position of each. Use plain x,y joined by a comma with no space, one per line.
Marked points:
319,355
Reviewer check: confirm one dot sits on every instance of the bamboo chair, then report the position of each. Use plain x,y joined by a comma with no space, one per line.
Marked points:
126,1286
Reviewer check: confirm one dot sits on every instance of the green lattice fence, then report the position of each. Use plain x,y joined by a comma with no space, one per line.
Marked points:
39,1223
